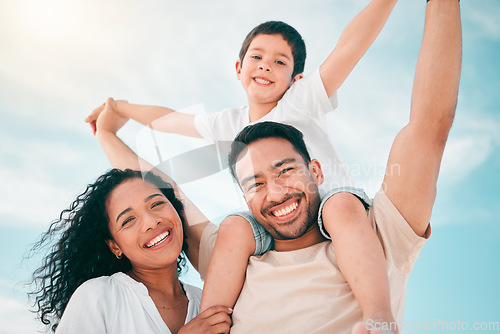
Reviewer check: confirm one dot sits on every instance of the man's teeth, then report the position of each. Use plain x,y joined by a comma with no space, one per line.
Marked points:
262,81
158,239
285,211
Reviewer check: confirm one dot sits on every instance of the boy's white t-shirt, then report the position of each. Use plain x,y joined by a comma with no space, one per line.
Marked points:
303,106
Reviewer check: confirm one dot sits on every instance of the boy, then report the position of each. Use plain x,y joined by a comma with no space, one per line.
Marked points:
270,68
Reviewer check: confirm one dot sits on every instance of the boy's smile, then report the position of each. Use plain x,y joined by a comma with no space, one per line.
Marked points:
266,70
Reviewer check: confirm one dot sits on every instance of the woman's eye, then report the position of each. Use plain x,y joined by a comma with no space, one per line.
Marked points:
156,204
128,220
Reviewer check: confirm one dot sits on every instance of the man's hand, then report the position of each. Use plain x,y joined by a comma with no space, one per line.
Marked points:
214,320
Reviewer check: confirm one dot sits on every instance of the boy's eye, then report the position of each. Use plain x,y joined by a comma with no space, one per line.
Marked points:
255,57
279,62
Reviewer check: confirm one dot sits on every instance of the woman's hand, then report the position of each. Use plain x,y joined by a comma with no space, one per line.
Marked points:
107,112
214,320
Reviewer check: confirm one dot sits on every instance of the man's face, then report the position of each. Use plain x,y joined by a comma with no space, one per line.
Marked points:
266,70
279,187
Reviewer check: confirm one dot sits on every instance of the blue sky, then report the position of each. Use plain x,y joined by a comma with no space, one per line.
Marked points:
60,59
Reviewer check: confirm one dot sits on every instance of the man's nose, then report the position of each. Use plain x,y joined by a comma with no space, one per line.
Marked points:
275,190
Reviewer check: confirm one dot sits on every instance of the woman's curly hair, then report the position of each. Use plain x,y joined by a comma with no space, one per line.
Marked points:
76,245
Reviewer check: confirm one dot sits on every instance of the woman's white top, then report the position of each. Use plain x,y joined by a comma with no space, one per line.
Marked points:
118,304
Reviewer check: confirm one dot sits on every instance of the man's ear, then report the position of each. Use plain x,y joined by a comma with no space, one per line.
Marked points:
115,249
296,78
238,68
316,171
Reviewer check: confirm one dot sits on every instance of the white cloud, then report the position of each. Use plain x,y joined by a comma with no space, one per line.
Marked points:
27,199
16,318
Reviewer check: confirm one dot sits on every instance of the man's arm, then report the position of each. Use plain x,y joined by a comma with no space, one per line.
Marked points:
355,40
415,157
158,118
122,157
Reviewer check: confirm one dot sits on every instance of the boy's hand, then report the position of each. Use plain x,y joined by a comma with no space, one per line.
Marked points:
107,119
213,320
110,105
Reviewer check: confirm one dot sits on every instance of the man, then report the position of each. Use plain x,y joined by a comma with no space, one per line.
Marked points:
296,289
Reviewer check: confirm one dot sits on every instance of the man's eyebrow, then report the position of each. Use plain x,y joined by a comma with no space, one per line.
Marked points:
249,178
130,209
282,162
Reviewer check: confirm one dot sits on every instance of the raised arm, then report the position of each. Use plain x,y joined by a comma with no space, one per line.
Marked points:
415,157
122,157
158,118
355,40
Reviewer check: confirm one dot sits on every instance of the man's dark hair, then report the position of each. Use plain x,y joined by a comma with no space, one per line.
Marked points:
289,34
263,130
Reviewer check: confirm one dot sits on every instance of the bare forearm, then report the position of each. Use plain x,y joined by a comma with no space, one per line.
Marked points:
159,118
119,154
437,76
355,40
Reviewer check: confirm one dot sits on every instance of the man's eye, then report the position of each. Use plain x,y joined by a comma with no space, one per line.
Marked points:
284,171
254,186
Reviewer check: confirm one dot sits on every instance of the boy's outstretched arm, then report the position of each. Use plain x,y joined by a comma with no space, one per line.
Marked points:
122,157
355,40
158,118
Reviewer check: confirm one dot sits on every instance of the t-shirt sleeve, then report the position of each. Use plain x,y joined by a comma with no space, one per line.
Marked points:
202,123
222,125
85,312
401,244
308,95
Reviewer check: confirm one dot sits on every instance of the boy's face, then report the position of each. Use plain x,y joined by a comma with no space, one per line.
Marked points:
266,70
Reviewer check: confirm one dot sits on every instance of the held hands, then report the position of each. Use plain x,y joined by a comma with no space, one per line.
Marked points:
214,320
106,118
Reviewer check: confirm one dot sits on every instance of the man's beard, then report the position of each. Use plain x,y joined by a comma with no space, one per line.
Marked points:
310,219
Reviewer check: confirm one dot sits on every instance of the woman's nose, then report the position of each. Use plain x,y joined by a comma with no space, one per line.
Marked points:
150,222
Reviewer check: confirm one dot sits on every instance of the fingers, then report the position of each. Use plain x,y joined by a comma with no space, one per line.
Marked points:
93,125
213,310
214,320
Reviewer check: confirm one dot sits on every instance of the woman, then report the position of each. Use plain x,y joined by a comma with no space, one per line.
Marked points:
115,263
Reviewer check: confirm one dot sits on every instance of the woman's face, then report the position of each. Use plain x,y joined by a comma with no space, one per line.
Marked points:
145,226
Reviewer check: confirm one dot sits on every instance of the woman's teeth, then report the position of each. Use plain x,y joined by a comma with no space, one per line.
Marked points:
158,239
